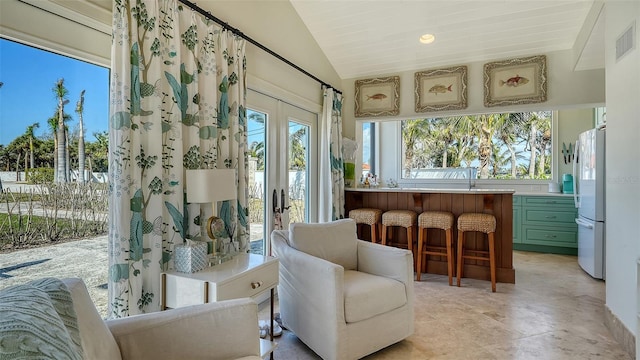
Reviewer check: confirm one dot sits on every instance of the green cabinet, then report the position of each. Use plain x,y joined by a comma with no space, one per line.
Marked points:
545,224
517,219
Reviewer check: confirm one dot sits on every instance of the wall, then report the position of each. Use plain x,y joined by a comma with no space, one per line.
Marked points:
565,88
623,164
570,124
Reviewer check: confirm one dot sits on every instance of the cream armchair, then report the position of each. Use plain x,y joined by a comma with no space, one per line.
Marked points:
222,330
343,297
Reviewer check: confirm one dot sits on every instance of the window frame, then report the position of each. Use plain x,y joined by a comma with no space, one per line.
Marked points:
393,128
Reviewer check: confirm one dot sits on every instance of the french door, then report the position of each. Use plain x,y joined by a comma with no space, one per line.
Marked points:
283,173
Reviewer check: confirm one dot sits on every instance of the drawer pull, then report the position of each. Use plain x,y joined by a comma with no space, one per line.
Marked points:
551,201
256,284
550,236
550,217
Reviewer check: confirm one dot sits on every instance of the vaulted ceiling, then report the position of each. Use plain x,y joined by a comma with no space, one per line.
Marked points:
363,38
375,37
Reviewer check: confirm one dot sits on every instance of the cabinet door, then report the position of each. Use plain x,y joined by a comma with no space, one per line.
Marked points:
517,219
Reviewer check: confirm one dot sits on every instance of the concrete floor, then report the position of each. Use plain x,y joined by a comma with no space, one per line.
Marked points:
554,311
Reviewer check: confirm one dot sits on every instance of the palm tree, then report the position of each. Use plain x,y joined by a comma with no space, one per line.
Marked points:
539,136
298,151
61,93
256,150
509,135
412,131
543,142
79,110
53,126
30,130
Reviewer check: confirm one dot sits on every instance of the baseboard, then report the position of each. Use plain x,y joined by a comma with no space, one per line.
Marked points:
620,333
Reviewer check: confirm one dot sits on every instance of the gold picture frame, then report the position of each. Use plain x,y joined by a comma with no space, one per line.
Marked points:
378,97
515,81
441,89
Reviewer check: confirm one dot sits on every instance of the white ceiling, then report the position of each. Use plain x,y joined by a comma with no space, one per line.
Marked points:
366,38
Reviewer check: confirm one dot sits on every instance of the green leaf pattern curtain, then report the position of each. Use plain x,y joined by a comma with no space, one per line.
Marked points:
177,102
331,163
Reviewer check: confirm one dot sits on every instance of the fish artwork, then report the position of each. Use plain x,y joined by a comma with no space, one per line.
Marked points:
376,96
515,81
440,89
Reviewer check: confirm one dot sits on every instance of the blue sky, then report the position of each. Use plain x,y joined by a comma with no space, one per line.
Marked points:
28,75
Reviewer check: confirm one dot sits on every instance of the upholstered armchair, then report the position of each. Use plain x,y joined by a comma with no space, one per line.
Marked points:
53,319
344,298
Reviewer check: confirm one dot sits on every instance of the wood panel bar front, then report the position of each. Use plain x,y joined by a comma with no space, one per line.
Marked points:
498,203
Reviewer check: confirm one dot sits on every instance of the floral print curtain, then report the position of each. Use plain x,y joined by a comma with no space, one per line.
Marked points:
177,102
331,160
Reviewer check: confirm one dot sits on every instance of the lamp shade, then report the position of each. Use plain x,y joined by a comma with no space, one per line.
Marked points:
211,185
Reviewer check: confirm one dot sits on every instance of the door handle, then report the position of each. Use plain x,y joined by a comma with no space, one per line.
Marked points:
583,223
282,200
274,201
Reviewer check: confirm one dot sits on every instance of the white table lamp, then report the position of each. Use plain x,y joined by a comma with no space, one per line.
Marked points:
211,186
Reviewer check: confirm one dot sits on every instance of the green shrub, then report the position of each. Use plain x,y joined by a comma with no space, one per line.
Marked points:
40,175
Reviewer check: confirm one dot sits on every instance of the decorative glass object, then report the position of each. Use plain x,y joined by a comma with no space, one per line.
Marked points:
349,148
191,256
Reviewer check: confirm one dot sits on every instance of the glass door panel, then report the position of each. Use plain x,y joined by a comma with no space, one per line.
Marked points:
283,166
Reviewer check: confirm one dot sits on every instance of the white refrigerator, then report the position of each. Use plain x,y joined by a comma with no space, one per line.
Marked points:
589,196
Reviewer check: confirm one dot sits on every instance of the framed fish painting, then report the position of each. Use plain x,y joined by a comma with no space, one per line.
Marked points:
441,89
515,81
378,97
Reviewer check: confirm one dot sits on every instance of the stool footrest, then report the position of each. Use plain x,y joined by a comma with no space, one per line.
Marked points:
475,257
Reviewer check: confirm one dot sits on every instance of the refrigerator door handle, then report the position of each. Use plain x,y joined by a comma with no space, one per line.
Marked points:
583,223
576,196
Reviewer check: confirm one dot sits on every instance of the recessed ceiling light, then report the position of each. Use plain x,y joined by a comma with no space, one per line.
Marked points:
427,38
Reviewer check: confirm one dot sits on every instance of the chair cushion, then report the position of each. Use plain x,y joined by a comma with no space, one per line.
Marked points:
334,241
30,327
362,298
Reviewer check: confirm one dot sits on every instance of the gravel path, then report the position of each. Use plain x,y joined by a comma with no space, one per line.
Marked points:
86,259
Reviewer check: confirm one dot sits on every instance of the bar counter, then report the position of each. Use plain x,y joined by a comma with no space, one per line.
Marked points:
497,202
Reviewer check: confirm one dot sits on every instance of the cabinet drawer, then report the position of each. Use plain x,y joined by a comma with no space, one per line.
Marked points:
550,236
549,201
550,217
249,284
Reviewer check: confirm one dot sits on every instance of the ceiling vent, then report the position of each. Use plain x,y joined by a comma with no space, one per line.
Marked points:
626,42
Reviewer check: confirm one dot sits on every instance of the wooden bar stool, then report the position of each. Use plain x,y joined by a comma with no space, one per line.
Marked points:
402,218
369,217
484,223
435,220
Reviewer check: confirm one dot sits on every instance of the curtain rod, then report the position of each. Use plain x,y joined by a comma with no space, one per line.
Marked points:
226,26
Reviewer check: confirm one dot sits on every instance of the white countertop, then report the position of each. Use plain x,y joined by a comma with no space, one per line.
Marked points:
525,193
434,190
